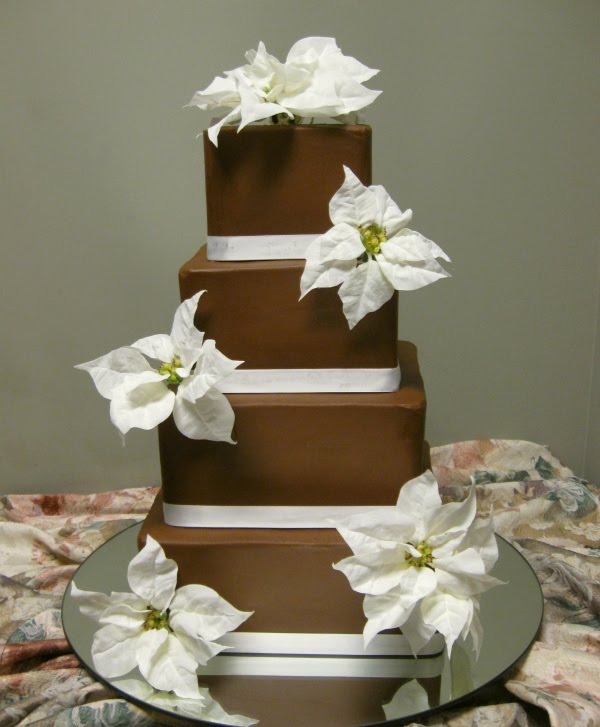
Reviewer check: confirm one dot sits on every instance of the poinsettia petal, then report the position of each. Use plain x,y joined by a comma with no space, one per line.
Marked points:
365,290
407,247
210,417
143,407
128,615
389,215
165,663
417,632
453,518
200,612
374,573
212,367
411,276
420,496
410,698
376,528
353,203
91,603
447,614
481,536
341,242
319,274
153,576
463,574
230,118
115,368
220,93
113,651
185,337
158,347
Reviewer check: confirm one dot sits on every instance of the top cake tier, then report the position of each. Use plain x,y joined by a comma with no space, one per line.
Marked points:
278,180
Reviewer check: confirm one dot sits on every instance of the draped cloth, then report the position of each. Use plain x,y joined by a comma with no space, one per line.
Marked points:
550,515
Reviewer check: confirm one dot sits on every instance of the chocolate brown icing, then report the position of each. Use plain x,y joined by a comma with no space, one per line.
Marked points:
251,310
279,179
304,449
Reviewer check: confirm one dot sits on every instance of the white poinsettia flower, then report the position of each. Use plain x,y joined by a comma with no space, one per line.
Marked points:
204,707
163,631
369,251
421,565
183,383
316,80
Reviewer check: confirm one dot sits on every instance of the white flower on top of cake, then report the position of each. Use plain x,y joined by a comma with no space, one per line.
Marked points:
163,631
422,565
316,80
369,250
183,384
205,707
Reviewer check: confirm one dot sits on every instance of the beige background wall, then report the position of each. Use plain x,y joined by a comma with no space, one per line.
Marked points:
487,128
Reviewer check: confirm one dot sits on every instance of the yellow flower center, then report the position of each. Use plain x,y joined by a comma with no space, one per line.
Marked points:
372,236
170,369
157,620
425,560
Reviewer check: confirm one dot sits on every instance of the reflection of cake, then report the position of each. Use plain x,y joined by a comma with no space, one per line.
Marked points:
313,454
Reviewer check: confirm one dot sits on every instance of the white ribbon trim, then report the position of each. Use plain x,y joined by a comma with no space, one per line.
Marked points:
315,644
263,516
258,247
328,666
300,381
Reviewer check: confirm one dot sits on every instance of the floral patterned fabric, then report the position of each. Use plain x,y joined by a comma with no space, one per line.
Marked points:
550,515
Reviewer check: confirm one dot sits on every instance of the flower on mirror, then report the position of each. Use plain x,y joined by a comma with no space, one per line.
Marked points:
204,707
183,382
315,81
369,252
163,631
421,565
411,698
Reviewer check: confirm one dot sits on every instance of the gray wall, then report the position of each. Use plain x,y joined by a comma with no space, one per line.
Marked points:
487,128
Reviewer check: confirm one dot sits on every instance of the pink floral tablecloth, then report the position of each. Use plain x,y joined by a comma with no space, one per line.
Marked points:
540,506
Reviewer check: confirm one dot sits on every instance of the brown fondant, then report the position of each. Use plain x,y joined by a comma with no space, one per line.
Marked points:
279,180
304,449
252,311
284,576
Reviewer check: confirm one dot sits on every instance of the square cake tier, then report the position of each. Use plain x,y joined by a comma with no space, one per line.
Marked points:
279,179
304,449
252,310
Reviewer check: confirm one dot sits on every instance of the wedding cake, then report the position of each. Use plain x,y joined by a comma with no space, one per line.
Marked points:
251,519
289,419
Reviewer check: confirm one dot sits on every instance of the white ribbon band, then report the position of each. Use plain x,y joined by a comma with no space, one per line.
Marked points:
315,644
300,381
327,666
264,516
258,247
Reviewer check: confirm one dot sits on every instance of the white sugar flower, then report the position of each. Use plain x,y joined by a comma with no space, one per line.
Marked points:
143,396
316,80
369,251
421,565
164,632
205,707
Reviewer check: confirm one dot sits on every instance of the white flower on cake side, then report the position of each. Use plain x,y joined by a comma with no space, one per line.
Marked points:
163,631
316,80
143,396
369,251
421,565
